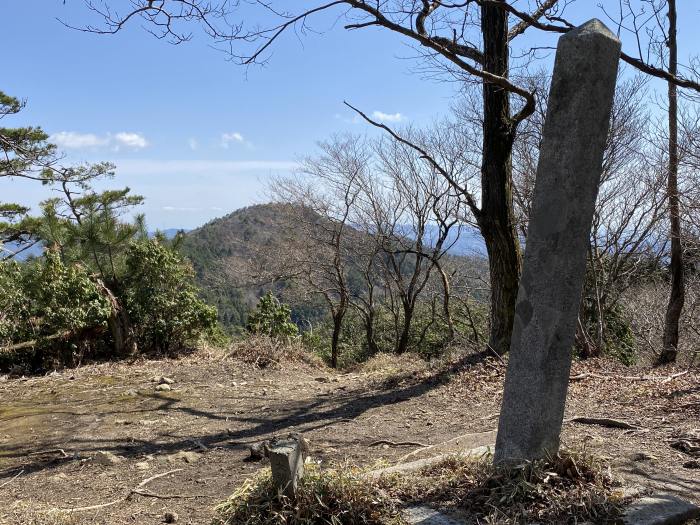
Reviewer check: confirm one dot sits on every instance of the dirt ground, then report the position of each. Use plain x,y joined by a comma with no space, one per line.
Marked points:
54,428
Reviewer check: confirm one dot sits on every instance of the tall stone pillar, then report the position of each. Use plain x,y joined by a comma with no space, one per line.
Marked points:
566,187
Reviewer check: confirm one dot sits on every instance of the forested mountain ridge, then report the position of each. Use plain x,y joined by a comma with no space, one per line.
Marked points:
218,248
223,251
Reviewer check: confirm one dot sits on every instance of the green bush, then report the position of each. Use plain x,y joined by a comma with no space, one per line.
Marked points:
619,341
14,304
161,298
66,297
271,318
47,306
429,335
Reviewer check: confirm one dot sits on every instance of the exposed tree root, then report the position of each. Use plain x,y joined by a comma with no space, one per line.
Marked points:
397,443
138,489
603,422
51,451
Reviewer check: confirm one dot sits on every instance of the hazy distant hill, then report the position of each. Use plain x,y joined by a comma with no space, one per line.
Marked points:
38,249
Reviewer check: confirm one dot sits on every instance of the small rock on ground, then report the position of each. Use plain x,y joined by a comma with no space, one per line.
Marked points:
187,457
162,380
660,510
422,515
106,458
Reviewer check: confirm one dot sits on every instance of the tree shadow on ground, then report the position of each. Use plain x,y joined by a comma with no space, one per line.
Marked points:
301,416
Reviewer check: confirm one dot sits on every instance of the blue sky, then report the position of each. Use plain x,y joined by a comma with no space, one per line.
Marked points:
197,135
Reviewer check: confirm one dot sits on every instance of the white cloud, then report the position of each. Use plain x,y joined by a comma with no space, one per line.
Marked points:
387,117
193,143
130,140
234,138
140,167
180,208
353,120
74,140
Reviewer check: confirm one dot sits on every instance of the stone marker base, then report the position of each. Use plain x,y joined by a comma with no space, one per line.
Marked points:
661,510
411,466
287,458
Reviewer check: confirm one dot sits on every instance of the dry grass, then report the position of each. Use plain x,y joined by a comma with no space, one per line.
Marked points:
267,352
383,364
325,496
570,488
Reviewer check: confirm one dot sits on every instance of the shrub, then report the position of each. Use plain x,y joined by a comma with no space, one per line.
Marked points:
48,307
14,304
569,488
324,497
66,297
161,298
271,318
262,351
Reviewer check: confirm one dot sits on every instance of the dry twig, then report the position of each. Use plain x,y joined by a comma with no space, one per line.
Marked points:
663,379
12,479
138,489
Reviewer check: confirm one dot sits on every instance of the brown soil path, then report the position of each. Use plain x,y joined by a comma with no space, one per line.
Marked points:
52,428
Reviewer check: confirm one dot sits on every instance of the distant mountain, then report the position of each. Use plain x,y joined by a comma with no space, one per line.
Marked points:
38,249
215,248
169,232
220,249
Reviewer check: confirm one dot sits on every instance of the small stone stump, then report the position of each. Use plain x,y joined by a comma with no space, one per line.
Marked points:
287,456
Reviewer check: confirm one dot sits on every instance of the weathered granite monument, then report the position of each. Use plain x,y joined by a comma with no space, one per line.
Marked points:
287,456
568,175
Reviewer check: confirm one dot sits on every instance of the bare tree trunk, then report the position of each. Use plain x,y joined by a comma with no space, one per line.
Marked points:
404,338
677,298
122,334
335,341
586,347
446,301
119,325
496,220
369,334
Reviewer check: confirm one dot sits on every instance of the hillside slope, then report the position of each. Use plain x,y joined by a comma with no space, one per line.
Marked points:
220,249
224,249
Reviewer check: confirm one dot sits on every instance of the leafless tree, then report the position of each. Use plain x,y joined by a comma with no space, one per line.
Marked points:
412,211
472,39
325,196
677,296
376,209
